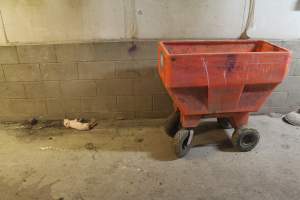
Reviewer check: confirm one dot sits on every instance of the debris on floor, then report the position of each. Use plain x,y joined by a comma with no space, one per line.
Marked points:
45,148
293,118
36,124
80,124
33,121
49,148
64,168
28,124
90,146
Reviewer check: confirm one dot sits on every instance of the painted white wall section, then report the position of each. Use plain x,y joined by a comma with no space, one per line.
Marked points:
62,20
278,19
189,18
59,21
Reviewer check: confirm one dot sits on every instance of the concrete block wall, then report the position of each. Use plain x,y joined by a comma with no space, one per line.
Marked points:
286,96
111,80
103,80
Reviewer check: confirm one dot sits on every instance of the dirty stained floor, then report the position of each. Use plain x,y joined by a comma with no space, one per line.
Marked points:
135,160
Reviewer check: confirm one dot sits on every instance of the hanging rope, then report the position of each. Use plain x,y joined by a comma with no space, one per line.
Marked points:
249,20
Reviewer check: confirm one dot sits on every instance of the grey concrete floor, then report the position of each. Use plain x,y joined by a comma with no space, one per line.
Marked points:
135,160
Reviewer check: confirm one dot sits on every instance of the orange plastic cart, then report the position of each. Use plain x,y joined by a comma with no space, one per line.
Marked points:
222,79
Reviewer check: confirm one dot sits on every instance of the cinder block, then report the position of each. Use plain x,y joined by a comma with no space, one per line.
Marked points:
293,99
4,108
146,68
79,88
114,87
99,104
292,84
12,90
22,72
107,51
277,99
96,70
148,86
143,103
98,115
126,69
282,86
152,114
265,109
145,50
124,115
292,67
2,78
42,89
52,89
8,55
283,109
36,53
295,67
162,103
34,90
74,115
71,105
55,107
75,52
28,107
134,103
294,46
108,115
59,71
135,69
112,51
125,103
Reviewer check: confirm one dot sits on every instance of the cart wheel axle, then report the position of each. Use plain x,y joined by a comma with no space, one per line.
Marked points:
224,123
245,139
182,141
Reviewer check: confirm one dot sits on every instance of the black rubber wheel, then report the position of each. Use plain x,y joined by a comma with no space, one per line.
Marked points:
224,123
172,125
245,139
182,142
